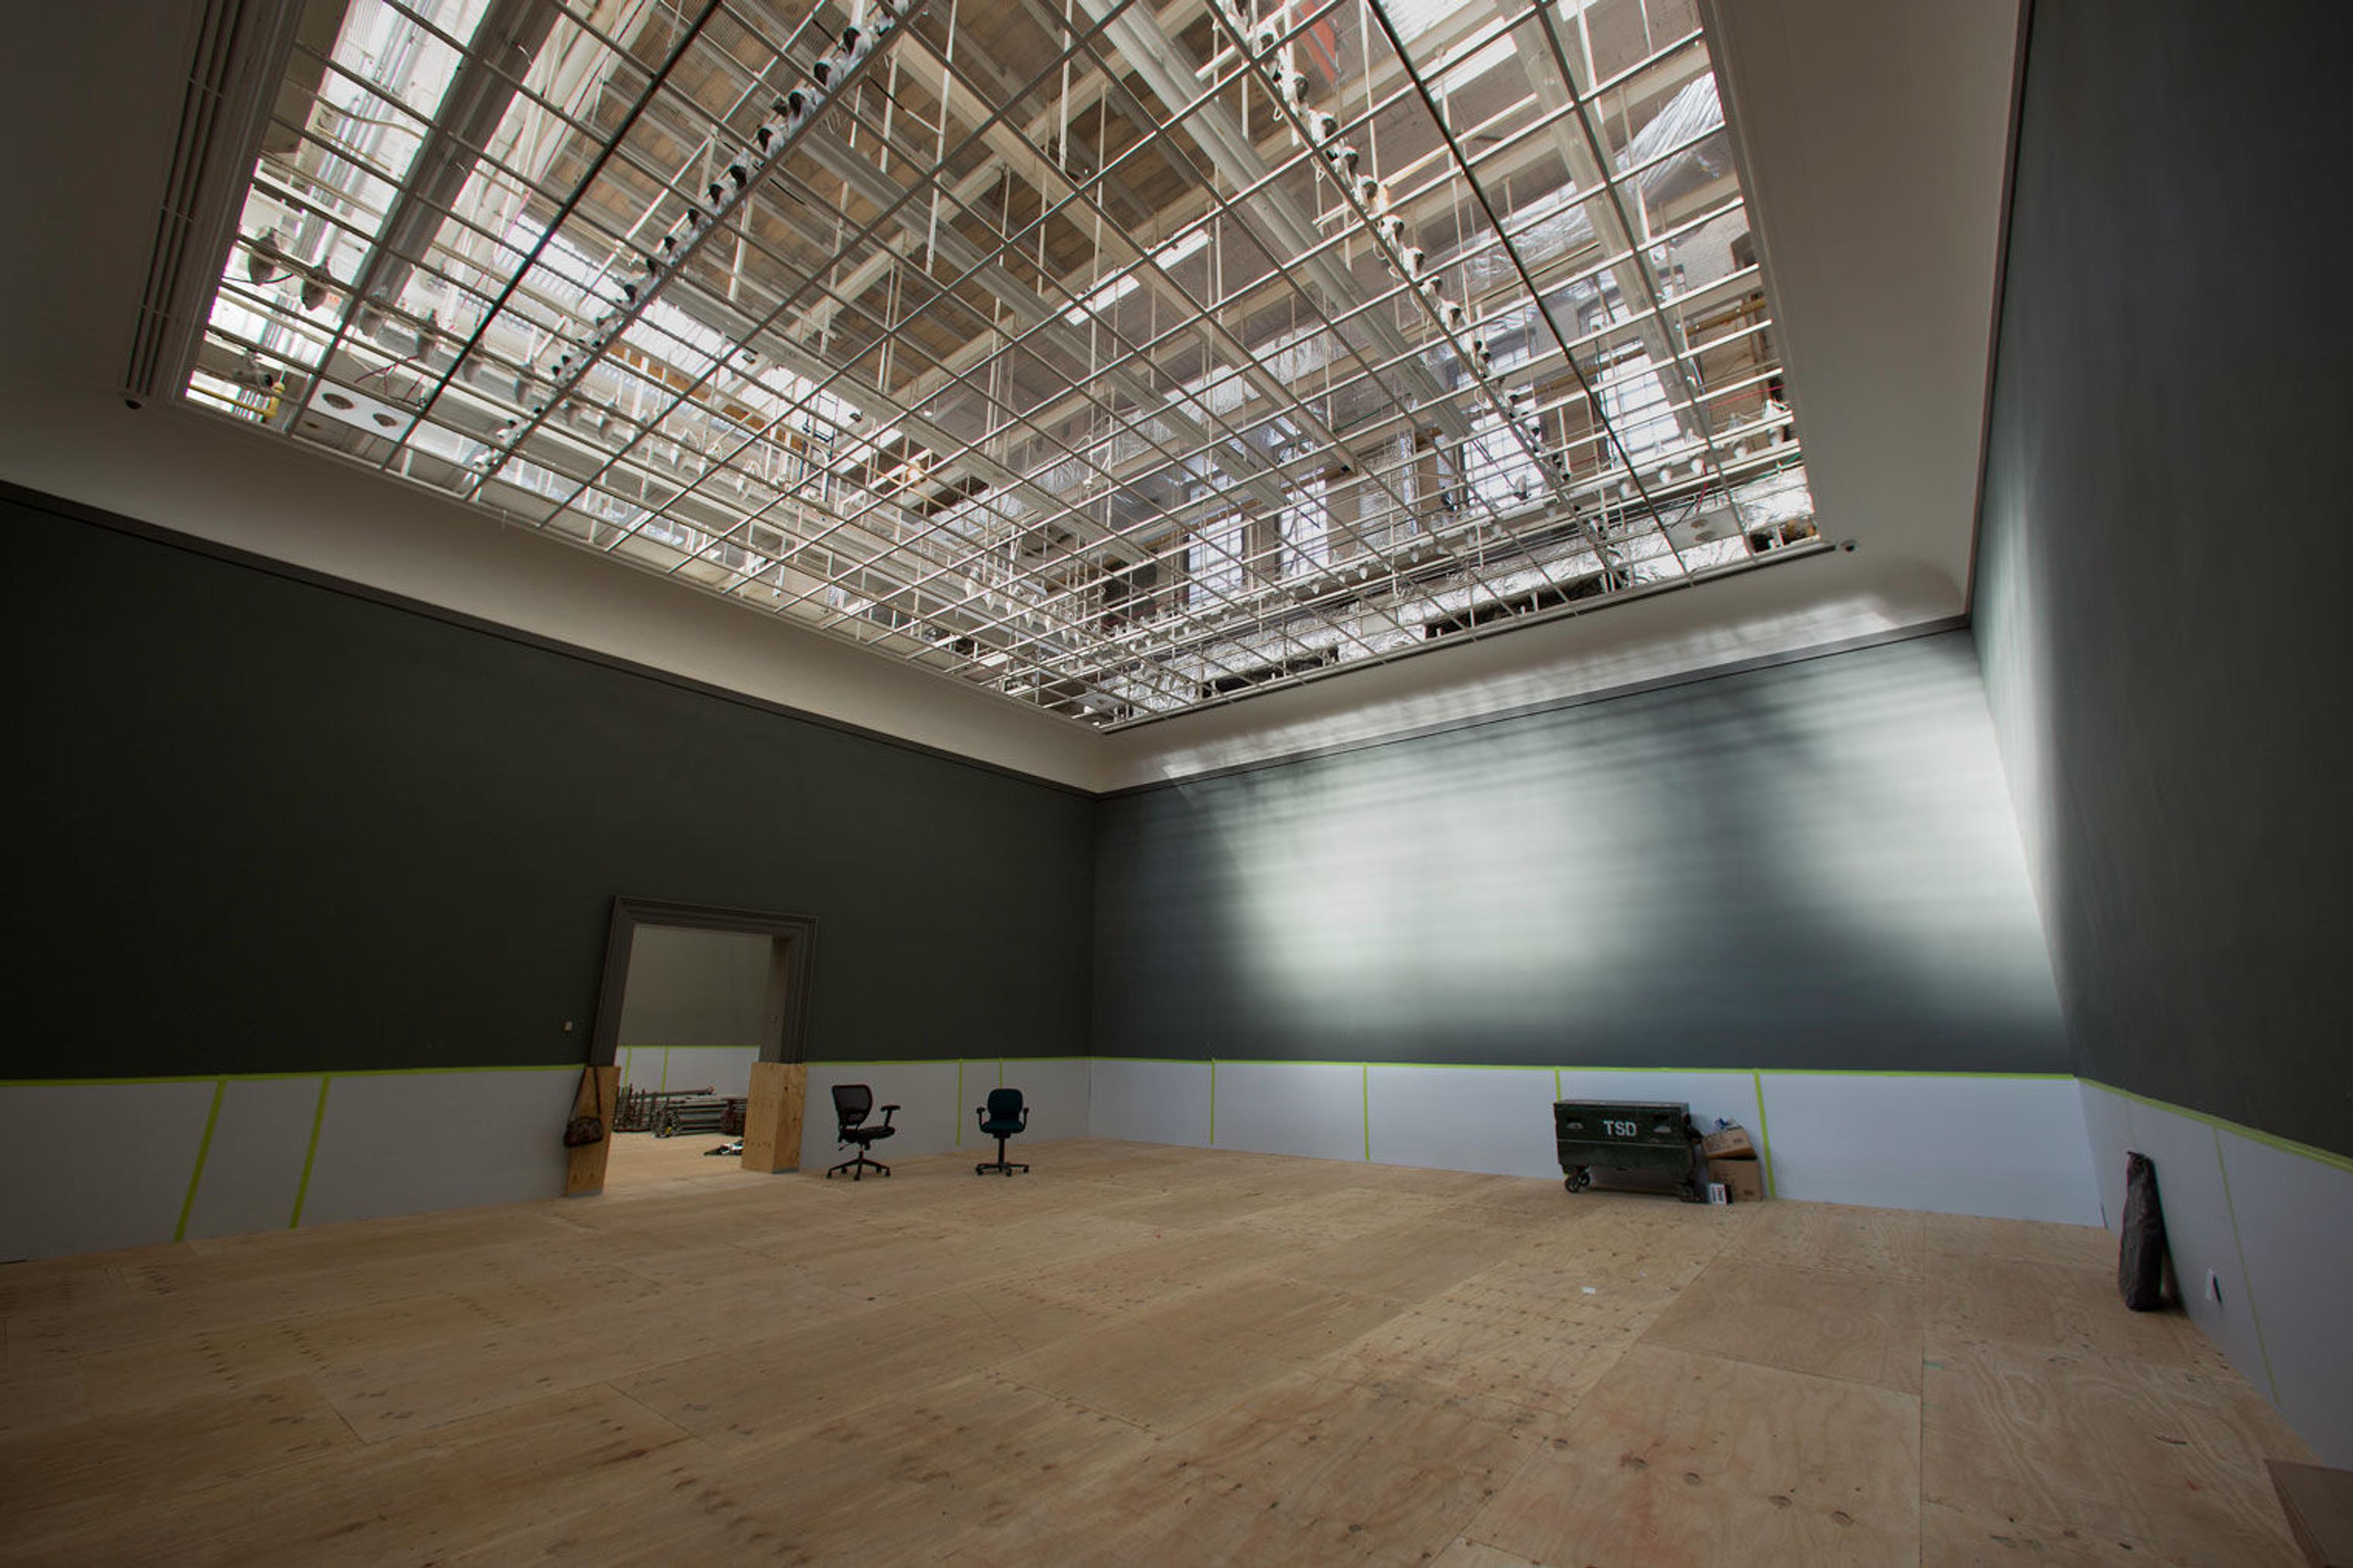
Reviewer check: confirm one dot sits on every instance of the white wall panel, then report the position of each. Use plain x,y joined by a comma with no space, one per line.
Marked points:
1496,1120
1315,1109
1149,1101
2010,1148
2295,1224
2107,1127
1054,1088
254,1165
403,1143
925,1093
2199,1231
88,1167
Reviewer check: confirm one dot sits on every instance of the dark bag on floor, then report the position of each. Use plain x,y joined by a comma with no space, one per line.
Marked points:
583,1130
2140,1267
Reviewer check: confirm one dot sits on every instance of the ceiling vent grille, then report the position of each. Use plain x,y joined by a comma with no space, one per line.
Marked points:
240,57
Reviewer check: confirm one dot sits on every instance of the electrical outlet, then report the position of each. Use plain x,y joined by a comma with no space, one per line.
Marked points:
2214,1287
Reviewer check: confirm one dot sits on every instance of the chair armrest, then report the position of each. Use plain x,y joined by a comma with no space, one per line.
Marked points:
1025,1116
886,1114
980,1113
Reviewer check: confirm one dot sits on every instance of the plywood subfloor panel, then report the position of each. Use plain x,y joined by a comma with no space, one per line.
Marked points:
411,1500
2054,1305
1679,1459
2053,1456
1143,1373
1494,1341
1135,1355
55,1479
1471,1554
2020,1241
1802,1320
640,1162
1387,1472
1887,1243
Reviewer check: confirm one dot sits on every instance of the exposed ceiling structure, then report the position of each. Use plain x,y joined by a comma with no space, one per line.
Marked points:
1121,359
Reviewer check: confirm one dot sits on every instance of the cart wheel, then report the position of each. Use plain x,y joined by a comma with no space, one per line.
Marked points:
1689,1192
1578,1180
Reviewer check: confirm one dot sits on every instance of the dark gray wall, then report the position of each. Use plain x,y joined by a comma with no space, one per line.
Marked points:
265,825
2163,556
1808,865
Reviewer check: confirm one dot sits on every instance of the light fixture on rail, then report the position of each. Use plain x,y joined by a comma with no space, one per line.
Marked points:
266,260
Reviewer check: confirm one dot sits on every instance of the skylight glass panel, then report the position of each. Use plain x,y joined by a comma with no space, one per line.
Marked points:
1117,369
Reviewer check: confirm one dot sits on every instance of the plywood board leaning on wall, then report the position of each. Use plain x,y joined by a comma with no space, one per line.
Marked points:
584,1170
772,1122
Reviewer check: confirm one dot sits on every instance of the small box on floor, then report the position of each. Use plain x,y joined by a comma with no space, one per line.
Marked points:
1744,1180
1732,1143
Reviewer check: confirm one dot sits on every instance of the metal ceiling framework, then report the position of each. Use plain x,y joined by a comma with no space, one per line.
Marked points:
1123,360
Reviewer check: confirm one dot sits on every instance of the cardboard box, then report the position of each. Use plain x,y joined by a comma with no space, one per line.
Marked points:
1744,1180
1732,1143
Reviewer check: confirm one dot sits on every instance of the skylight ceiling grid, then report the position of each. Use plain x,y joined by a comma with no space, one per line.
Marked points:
1122,364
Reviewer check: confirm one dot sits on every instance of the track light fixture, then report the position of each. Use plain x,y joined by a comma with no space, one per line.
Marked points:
257,374
266,260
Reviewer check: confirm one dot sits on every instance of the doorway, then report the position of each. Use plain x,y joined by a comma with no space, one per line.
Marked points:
698,1045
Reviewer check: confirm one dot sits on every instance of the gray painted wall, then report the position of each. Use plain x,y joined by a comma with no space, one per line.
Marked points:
695,987
2165,549
1813,866
266,825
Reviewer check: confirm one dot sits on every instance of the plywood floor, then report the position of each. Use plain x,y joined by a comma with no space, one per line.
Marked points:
640,1160
1135,1356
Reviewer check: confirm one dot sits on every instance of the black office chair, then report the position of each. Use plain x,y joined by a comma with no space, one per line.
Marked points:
1000,1119
852,1104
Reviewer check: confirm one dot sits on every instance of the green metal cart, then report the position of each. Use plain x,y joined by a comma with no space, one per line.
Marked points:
1628,1135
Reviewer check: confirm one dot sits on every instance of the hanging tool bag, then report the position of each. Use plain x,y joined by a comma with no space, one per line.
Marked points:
583,1130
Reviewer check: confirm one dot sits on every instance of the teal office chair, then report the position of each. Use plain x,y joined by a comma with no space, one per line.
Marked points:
1000,1119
